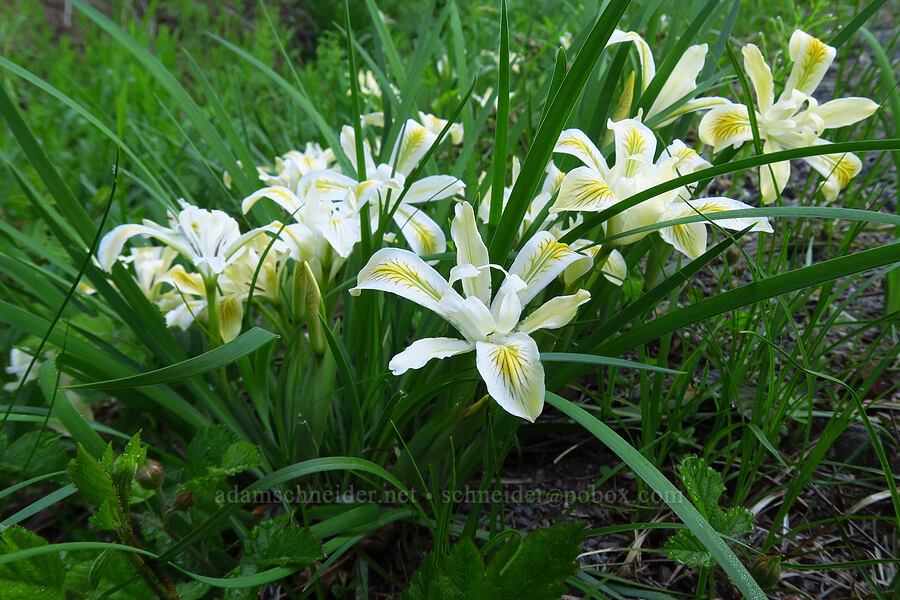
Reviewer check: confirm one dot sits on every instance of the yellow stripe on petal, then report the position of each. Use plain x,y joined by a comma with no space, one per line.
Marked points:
583,189
726,125
403,273
812,58
422,234
411,147
579,145
541,259
189,284
635,144
689,238
510,366
837,169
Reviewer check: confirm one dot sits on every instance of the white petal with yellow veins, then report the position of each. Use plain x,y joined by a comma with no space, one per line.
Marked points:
510,366
424,350
812,58
188,284
282,196
435,187
422,234
554,313
412,145
709,206
583,189
635,144
579,145
539,261
403,273
231,313
726,125
689,239
326,185
837,169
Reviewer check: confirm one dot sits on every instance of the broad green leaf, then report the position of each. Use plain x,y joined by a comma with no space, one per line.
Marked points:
460,574
90,478
703,485
531,568
291,547
238,457
535,567
686,549
36,578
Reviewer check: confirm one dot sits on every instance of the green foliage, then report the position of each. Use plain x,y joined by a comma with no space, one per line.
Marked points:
735,355
532,567
39,577
704,487
279,543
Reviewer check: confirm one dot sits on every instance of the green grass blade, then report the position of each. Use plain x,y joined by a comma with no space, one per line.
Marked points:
326,130
61,407
241,346
501,131
861,17
35,507
182,99
387,45
561,106
591,359
66,201
669,494
784,283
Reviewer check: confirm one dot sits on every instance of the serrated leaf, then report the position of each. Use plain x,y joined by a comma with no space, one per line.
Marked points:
90,478
292,547
192,590
239,456
35,578
703,485
107,516
40,450
457,575
685,548
208,448
734,522
537,568
530,568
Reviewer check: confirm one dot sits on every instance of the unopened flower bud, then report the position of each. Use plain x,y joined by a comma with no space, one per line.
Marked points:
184,502
767,570
151,475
